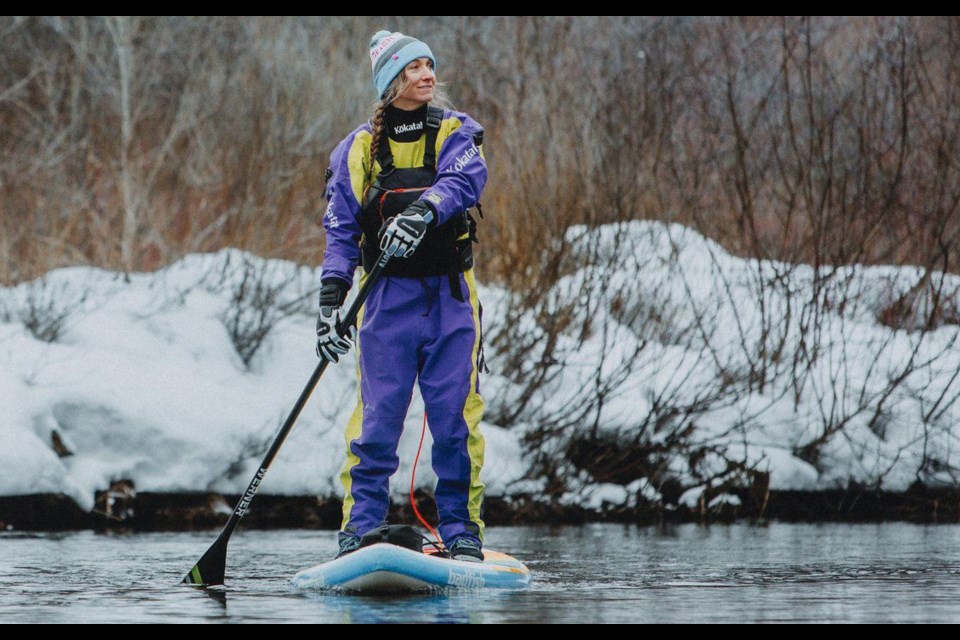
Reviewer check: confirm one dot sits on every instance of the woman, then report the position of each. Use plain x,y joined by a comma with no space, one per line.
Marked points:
402,183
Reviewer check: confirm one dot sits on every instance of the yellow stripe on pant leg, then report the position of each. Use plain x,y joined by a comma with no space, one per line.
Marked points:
473,414
354,429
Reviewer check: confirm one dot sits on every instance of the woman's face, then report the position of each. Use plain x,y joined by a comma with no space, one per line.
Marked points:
420,84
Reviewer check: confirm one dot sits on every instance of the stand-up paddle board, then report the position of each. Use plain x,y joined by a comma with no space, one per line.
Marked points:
388,568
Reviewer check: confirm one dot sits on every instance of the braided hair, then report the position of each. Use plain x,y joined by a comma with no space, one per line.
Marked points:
377,126
377,121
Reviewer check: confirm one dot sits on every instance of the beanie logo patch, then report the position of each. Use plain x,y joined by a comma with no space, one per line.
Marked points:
382,46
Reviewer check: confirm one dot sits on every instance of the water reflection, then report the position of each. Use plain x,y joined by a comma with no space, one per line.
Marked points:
427,608
216,594
589,574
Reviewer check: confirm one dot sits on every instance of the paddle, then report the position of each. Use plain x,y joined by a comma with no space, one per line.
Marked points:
210,569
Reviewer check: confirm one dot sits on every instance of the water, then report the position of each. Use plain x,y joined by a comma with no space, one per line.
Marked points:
590,574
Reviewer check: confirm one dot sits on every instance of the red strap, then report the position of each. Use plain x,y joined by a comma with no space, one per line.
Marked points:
413,476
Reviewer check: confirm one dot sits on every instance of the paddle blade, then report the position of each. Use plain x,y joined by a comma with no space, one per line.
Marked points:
210,569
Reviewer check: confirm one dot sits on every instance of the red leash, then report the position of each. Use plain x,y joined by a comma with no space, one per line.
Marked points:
413,477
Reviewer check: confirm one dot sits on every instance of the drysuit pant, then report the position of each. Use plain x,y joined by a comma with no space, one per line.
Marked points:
413,329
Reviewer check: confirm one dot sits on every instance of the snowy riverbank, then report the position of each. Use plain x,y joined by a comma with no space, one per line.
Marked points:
178,380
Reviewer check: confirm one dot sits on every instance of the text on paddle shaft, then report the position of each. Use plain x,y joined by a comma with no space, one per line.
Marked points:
251,491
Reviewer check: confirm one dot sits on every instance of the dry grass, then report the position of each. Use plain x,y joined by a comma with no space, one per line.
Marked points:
127,143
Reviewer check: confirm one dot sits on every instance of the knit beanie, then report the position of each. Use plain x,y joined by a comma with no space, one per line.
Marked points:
390,53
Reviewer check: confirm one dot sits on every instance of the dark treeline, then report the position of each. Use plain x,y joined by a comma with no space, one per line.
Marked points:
128,142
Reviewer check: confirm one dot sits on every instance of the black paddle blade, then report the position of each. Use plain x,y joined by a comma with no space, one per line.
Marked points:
210,570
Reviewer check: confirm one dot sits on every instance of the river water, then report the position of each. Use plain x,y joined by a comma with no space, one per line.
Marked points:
586,574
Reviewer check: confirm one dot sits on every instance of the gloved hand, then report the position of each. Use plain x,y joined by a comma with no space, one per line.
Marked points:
402,233
330,344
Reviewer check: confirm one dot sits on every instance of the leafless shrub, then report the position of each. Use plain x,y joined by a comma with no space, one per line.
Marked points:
249,448
260,297
576,353
127,142
923,306
45,309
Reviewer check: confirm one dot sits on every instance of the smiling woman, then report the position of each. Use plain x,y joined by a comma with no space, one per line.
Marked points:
402,184
419,82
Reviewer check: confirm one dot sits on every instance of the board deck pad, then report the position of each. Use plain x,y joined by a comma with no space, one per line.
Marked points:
387,568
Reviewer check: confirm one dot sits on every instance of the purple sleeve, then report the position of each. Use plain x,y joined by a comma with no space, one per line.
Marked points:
342,217
461,171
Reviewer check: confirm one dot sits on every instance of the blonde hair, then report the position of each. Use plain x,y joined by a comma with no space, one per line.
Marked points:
398,86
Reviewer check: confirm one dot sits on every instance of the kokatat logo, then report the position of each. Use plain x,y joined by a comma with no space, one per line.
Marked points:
465,159
331,217
403,128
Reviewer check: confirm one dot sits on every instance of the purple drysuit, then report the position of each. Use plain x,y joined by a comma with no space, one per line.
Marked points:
412,329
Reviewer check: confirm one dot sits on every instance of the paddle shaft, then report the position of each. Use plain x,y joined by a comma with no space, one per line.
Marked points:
349,319
210,569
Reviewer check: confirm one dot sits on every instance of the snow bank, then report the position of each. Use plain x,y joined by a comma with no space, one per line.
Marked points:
776,367
140,377
145,383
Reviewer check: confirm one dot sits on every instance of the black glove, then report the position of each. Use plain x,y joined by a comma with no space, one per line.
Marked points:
330,344
401,234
